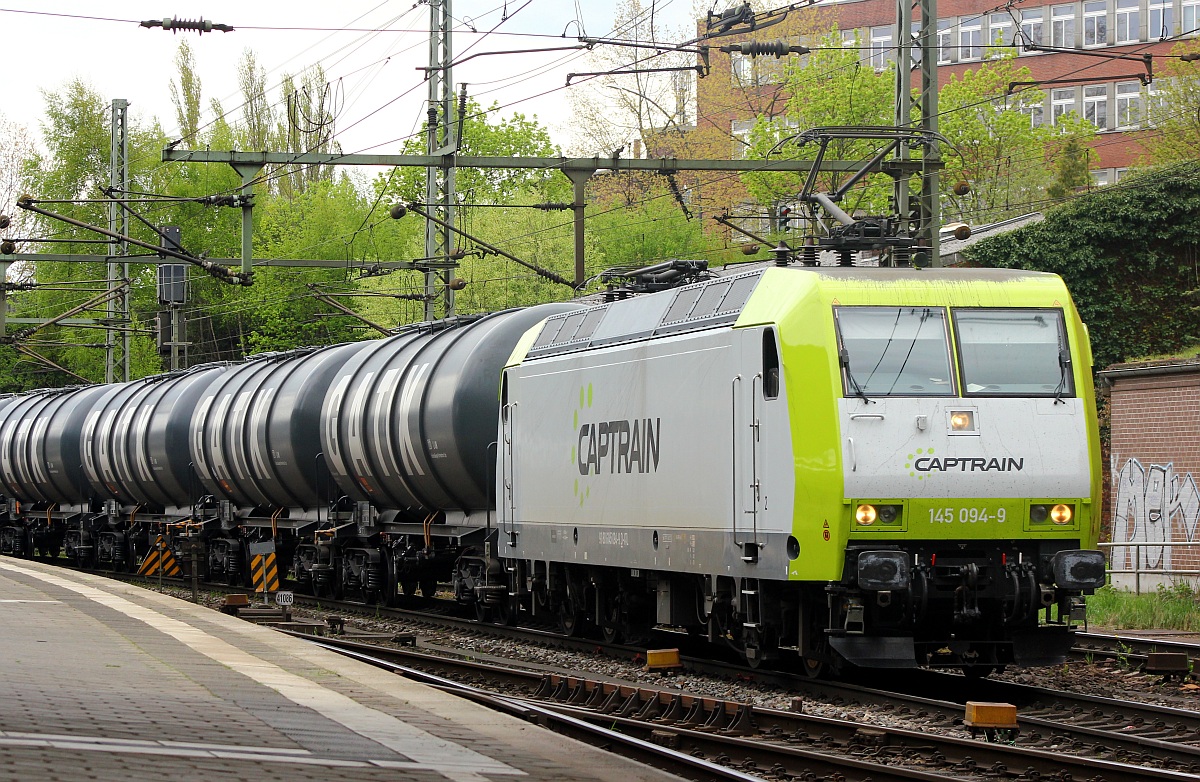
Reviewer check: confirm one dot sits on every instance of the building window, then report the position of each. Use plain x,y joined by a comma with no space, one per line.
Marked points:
1100,177
1061,102
1162,23
755,71
1095,23
1153,104
1031,27
915,51
881,47
1191,17
740,131
1119,174
1062,26
1095,105
945,40
1000,30
1037,115
1129,104
742,68
1129,21
970,39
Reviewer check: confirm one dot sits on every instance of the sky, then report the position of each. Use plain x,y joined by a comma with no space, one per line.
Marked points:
371,52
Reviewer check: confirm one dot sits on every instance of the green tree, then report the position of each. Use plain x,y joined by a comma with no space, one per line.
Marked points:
75,165
1125,253
484,133
994,146
185,93
1174,109
831,86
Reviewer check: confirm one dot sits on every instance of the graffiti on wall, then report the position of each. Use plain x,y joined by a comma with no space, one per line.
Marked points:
1154,504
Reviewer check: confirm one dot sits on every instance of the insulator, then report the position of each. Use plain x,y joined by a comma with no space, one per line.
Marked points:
397,211
8,247
457,284
962,187
762,48
201,26
5,221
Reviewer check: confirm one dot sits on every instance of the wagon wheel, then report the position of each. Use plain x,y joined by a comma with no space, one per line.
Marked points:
429,587
506,612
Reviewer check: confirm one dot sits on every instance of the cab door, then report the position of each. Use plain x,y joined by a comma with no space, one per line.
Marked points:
753,422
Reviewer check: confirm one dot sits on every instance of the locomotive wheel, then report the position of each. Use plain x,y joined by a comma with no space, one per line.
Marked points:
610,620
569,619
570,612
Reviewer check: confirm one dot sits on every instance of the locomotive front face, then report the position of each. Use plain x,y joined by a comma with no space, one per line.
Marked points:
968,462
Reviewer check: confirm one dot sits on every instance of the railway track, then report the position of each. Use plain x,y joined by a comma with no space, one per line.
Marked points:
1064,725
766,743
1131,647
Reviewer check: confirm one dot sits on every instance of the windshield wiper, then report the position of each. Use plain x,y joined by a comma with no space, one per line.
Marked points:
844,358
1064,361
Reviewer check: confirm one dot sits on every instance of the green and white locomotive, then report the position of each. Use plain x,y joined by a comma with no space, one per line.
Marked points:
889,467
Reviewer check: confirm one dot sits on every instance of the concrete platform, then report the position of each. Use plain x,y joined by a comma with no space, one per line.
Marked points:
106,681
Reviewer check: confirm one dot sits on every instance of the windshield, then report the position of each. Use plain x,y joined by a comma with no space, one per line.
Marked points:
894,351
1011,351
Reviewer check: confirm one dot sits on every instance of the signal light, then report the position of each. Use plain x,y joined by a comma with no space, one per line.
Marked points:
865,515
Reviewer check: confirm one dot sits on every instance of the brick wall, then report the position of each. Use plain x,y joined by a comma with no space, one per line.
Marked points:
1154,469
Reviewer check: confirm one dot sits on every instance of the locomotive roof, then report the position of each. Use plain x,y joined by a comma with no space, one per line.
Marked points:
721,300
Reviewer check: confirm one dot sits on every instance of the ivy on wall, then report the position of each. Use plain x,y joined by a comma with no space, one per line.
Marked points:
1128,253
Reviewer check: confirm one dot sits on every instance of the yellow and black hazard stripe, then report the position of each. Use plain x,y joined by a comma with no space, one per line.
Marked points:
264,573
160,559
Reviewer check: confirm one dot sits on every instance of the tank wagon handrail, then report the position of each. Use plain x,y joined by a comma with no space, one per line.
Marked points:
281,355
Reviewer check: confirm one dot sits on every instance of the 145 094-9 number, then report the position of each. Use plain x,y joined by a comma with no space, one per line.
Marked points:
967,515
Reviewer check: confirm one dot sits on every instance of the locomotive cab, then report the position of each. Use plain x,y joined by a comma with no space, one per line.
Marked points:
969,446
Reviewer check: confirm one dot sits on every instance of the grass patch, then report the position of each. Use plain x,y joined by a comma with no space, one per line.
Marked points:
1175,607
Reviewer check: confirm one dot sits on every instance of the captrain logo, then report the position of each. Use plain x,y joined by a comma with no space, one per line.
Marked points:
613,447
923,463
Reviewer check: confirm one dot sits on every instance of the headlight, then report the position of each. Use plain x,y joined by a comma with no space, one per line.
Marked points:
962,421
1038,513
865,515
1061,514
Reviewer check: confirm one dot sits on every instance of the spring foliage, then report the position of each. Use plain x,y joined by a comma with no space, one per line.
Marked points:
1128,253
